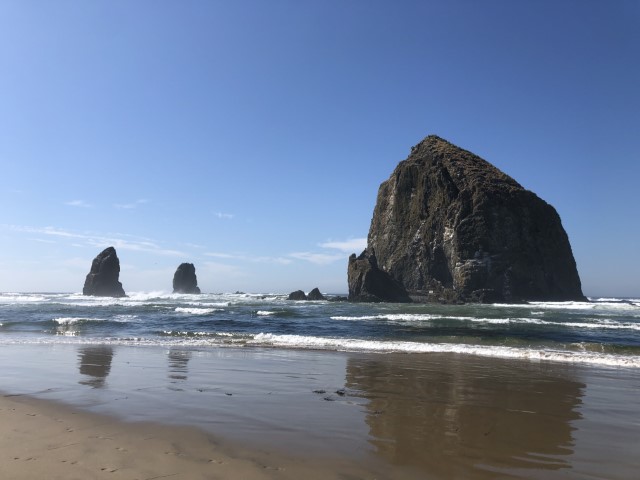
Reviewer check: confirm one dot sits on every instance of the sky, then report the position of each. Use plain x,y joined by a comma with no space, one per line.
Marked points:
250,137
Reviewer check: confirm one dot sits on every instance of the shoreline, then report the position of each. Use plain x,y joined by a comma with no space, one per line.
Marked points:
325,413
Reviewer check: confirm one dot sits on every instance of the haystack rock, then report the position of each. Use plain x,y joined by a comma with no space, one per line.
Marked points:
102,280
185,280
450,227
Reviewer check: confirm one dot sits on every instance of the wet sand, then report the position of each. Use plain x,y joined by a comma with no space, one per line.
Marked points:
96,411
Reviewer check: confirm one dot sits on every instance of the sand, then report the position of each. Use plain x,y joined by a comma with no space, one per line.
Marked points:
78,411
47,440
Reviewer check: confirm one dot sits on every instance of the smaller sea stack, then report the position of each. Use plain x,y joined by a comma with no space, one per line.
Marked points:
185,280
102,279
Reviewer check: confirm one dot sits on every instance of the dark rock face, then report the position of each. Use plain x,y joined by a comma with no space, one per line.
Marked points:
185,280
368,283
450,227
297,295
102,280
315,295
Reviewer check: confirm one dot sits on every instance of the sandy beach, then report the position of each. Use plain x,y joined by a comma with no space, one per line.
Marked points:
143,413
44,439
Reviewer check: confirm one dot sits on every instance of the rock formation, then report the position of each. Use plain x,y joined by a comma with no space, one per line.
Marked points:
315,295
450,227
300,295
297,295
185,280
368,283
102,279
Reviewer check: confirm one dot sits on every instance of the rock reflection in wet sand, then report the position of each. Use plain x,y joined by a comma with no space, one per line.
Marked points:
95,363
178,367
452,416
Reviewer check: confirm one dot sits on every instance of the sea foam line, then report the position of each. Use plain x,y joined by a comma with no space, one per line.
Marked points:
417,317
70,320
197,311
206,339
356,345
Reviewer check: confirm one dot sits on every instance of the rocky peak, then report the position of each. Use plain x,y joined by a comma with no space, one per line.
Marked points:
102,279
185,279
449,226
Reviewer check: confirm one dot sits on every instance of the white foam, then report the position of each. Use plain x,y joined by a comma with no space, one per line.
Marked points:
197,311
70,320
265,312
425,317
614,299
596,305
222,339
197,334
21,298
355,345
209,304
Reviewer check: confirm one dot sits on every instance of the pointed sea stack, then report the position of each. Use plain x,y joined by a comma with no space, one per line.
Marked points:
102,280
450,227
185,280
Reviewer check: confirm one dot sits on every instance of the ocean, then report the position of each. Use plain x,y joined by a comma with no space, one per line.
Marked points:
603,331
342,390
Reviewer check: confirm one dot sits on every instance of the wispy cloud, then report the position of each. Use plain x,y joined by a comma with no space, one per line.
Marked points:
329,256
317,258
223,215
42,240
130,206
347,246
79,203
250,258
119,241
222,255
193,245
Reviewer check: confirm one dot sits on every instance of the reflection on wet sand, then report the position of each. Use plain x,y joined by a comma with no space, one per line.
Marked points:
455,418
178,365
95,362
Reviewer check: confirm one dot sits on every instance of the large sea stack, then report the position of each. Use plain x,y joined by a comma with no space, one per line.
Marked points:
185,280
102,280
450,227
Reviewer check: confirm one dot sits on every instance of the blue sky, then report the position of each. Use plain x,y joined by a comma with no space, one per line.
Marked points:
250,137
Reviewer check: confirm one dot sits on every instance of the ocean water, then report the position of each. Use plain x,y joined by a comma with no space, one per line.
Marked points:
603,331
